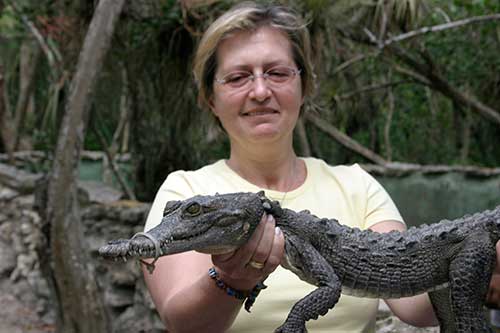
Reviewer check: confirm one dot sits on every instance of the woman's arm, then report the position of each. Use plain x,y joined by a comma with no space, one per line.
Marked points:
416,310
188,300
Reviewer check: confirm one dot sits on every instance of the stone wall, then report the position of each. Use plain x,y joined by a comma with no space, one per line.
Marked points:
128,302
130,305
21,281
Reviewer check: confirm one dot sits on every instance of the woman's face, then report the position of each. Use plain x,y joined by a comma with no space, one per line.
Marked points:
261,111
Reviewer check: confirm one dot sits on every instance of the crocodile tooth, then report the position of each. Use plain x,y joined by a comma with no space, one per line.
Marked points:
124,259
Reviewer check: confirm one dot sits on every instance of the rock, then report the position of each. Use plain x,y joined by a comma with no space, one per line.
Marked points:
125,276
134,215
7,194
26,201
142,296
39,284
6,230
137,319
119,297
18,179
95,192
8,259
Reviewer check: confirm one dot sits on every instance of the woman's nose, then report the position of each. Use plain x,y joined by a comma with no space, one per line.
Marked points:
259,89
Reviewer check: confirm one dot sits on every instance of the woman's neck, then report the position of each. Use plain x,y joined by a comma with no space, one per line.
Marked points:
278,170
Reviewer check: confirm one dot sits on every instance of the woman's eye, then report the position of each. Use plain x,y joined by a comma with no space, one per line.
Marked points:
279,75
237,78
277,72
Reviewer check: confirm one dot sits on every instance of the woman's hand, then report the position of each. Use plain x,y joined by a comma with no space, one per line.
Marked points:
264,248
493,297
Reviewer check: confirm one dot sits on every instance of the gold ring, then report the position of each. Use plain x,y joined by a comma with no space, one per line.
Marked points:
256,264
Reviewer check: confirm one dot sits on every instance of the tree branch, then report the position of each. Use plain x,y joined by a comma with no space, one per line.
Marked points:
344,139
436,28
114,168
372,87
440,84
52,55
415,76
401,169
348,63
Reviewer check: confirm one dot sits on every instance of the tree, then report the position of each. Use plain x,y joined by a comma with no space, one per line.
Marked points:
80,307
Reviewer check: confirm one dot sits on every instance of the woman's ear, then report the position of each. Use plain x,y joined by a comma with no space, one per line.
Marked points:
211,105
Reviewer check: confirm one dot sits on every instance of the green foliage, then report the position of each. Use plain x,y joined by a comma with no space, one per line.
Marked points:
169,132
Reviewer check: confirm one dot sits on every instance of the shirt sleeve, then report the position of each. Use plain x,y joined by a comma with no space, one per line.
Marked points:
175,187
379,205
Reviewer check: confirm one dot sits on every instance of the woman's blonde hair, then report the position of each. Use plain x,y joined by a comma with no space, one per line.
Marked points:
249,16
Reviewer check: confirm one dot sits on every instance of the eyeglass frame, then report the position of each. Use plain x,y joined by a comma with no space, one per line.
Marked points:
265,75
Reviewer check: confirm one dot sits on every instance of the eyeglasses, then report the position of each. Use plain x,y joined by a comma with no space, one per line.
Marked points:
276,76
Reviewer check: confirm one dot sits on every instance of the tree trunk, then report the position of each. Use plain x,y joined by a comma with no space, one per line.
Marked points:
80,302
6,121
388,120
305,147
29,55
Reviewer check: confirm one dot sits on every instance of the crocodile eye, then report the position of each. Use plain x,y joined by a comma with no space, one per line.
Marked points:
193,209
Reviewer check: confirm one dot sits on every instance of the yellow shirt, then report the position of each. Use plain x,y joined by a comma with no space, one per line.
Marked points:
346,193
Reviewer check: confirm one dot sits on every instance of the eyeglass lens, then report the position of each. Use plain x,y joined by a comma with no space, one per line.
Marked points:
274,76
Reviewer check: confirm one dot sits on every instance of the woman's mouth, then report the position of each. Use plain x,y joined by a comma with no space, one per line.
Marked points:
259,112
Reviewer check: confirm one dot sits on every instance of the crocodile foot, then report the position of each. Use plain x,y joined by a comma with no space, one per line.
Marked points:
291,328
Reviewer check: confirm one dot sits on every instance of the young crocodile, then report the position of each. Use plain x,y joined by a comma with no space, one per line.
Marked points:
452,260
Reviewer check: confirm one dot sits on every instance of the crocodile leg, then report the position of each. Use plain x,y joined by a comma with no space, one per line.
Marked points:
470,273
319,301
441,302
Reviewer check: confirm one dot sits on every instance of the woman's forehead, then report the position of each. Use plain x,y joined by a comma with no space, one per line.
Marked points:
264,45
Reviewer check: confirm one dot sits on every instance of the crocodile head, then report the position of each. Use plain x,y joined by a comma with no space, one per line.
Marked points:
209,224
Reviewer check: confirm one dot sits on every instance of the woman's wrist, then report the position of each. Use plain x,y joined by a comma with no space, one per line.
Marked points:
244,284
248,296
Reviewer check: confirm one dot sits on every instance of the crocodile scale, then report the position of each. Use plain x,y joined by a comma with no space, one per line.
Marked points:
451,260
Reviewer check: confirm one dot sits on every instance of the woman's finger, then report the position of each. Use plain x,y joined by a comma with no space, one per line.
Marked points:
277,252
262,251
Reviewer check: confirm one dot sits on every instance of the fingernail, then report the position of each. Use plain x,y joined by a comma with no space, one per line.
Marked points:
270,218
277,231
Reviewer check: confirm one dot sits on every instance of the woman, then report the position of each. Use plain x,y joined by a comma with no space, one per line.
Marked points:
253,70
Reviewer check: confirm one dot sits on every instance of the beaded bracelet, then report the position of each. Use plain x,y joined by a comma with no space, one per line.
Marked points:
248,296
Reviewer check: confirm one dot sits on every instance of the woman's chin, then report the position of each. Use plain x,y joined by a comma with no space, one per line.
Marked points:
265,132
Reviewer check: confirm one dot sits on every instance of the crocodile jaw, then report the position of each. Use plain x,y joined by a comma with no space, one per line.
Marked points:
205,241
208,224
